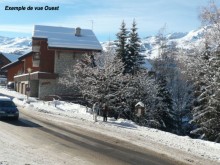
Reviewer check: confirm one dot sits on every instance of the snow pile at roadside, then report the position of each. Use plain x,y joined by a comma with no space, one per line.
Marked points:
124,129
56,107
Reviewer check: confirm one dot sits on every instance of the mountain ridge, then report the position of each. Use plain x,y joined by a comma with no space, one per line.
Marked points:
13,48
150,46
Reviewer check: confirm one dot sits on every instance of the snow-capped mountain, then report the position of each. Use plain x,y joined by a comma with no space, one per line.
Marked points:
150,45
12,48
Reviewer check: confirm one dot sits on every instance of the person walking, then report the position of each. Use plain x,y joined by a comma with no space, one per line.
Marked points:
95,110
105,112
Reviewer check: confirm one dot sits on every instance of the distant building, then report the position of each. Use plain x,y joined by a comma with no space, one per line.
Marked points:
54,49
19,67
3,61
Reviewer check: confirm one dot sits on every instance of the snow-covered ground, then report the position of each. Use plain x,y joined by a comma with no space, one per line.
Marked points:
180,147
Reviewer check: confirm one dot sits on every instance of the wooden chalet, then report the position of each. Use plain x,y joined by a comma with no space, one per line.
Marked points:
54,50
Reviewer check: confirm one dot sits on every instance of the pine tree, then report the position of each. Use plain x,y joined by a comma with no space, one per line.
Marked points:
134,59
121,51
174,85
206,113
164,107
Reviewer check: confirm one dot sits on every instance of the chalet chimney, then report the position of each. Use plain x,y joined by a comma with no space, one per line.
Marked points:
78,31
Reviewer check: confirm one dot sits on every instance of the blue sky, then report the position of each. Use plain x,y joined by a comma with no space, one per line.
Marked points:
105,16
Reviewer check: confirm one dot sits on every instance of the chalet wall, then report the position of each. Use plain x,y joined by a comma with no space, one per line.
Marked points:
46,57
28,63
21,87
21,67
46,87
15,70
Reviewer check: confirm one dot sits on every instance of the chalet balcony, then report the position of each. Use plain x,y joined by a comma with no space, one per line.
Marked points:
35,76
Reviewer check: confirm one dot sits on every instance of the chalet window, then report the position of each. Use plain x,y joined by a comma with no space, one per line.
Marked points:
36,56
36,59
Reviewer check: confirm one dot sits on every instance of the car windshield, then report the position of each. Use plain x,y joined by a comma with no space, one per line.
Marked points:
7,104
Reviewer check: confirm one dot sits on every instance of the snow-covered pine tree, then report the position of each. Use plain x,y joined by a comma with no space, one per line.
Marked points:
139,87
196,68
164,107
105,81
165,68
181,90
179,87
206,113
135,60
213,122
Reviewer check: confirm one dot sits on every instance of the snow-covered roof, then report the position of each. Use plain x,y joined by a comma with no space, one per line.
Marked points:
63,37
11,57
139,104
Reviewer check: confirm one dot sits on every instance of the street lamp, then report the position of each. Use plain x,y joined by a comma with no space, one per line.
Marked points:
28,90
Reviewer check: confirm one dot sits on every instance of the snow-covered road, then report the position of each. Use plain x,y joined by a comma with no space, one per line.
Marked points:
189,150
66,143
22,144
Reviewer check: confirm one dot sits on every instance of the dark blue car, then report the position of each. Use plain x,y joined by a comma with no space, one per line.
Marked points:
8,109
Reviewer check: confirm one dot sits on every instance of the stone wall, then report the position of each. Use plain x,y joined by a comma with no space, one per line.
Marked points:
64,61
34,84
46,88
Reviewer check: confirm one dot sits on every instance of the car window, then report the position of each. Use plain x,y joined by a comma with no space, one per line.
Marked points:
7,104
